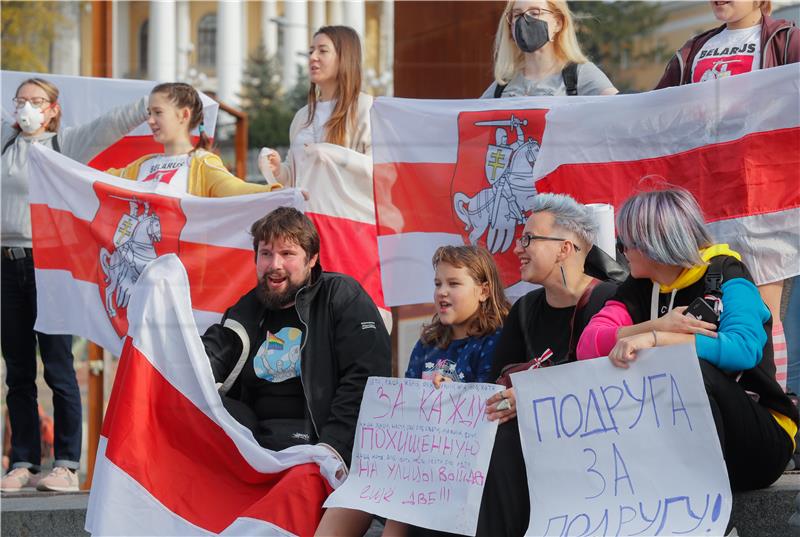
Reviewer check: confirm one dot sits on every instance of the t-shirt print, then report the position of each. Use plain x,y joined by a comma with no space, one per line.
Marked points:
278,358
731,52
166,170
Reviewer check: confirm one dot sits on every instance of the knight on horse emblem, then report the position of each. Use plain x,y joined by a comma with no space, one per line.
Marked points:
509,171
134,248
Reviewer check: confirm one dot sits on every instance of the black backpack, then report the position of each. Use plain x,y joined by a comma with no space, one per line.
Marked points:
569,73
10,142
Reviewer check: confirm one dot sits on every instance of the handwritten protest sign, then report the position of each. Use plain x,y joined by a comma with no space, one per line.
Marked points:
622,452
421,454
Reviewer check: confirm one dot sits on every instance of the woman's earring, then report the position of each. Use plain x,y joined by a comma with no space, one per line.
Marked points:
563,276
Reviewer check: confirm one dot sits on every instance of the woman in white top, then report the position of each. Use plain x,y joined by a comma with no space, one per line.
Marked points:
337,112
38,116
536,52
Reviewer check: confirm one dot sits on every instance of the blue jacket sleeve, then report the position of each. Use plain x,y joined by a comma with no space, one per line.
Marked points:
740,344
484,365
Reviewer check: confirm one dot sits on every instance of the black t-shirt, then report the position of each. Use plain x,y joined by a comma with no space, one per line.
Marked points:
271,378
547,328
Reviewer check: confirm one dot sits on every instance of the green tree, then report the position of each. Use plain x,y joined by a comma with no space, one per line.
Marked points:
28,29
615,35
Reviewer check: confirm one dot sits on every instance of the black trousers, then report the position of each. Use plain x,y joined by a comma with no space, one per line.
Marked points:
755,447
19,342
274,434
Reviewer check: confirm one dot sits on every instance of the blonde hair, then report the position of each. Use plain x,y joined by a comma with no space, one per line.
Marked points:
508,58
52,94
348,84
490,314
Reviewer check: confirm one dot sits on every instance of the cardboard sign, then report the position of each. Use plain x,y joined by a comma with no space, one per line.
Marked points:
622,452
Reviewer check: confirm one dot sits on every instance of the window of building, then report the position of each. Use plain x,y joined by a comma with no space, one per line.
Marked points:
143,36
207,41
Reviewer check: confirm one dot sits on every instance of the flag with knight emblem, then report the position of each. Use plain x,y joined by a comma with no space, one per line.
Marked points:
171,459
466,171
94,234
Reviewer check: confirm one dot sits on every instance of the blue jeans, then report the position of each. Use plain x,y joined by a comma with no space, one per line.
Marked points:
18,310
791,328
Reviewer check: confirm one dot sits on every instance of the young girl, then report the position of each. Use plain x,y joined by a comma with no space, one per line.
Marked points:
458,345
337,111
175,109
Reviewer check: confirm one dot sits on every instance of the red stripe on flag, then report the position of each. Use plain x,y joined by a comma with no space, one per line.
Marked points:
190,465
218,275
755,174
126,150
351,248
731,179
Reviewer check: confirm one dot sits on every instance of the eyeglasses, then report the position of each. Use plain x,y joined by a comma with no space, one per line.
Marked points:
36,102
526,239
529,14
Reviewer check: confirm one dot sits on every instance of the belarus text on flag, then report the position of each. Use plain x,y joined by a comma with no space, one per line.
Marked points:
93,234
84,99
171,460
455,172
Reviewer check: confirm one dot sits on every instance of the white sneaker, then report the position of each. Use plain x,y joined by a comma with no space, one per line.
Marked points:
59,480
15,480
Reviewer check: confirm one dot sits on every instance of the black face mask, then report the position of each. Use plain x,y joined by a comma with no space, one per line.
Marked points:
530,34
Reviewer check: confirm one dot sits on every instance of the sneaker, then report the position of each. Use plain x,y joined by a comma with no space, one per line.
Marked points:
59,480
15,480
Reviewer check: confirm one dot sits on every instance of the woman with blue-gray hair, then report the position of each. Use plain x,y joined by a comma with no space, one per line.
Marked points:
542,329
683,288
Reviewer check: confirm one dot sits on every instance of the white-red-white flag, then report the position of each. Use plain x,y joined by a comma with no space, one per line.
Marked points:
93,234
342,206
171,459
455,172
84,99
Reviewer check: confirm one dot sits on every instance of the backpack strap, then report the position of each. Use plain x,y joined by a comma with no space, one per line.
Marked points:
523,322
582,301
713,277
570,75
498,90
56,145
9,143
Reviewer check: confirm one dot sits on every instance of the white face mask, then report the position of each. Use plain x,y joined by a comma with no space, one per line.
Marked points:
30,119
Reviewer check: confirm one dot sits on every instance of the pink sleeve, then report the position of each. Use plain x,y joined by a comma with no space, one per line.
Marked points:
600,335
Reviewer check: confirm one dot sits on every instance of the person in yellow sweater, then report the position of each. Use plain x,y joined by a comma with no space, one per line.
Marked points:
174,110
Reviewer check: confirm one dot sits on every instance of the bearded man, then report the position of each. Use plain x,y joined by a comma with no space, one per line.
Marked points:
293,355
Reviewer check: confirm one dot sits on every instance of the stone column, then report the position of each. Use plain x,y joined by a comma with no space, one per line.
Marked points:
387,46
269,28
354,16
161,46
66,56
229,51
295,40
184,40
318,16
120,38
337,13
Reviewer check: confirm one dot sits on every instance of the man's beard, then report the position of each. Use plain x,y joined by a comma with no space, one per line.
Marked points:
276,300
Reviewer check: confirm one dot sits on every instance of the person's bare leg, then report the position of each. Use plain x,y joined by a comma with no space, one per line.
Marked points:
394,528
340,522
771,295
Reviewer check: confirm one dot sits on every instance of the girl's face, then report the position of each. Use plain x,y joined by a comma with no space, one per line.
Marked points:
168,122
34,94
457,296
323,61
733,12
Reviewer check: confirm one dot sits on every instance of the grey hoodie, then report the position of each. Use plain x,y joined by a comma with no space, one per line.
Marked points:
81,143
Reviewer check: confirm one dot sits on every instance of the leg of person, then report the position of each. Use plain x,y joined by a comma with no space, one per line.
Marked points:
792,332
59,373
18,341
341,522
771,295
241,413
393,528
755,447
505,506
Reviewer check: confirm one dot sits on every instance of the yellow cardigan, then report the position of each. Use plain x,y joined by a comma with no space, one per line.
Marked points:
208,177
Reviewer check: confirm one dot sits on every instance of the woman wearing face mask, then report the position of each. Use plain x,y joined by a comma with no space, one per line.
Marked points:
337,112
536,53
37,122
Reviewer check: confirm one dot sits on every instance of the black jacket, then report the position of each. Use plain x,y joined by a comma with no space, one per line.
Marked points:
345,343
